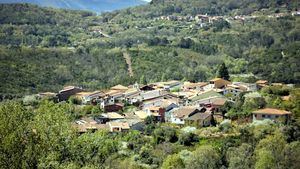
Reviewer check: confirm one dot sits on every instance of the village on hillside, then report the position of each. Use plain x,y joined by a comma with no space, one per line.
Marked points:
183,104
168,84
203,20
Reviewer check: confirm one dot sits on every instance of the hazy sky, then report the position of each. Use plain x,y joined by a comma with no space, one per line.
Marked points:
97,6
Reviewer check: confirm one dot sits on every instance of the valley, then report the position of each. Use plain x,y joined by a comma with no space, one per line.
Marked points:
170,84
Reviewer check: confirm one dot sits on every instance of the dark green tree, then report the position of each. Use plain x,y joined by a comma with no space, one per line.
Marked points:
143,80
223,72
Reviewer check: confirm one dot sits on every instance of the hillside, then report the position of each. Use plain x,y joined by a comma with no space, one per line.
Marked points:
97,6
174,84
44,49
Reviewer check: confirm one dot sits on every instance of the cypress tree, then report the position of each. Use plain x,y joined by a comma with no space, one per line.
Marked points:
223,72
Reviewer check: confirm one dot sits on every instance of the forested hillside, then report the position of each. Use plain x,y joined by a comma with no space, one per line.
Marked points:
246,118
43,49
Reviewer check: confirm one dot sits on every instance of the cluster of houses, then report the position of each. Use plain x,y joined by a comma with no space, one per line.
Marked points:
204,19
182,103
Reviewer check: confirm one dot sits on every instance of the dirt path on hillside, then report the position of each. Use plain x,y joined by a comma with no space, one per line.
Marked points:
128,61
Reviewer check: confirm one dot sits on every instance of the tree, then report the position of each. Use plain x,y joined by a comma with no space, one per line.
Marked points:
163,77
96,110
225,126
269,152
254,103
14,135
205,157
93,148
164,134
30,100
150,120
223,72
145,155
291,155
143,80
240,157
188,139
74,100
135,140
220,25
173,162
265,160
185,43
54,134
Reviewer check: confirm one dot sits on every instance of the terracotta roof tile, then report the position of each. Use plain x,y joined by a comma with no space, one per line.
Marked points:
271,111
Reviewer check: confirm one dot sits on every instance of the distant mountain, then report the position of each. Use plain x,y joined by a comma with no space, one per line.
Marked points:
97,6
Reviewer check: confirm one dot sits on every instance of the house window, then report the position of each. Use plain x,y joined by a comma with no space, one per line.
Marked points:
263,116
276,116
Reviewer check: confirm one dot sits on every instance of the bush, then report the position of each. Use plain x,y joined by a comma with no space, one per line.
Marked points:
74,100
31,100
225,126
173,162
188,139
164,134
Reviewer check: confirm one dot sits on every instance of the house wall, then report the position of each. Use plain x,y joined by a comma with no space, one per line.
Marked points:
172,86
208,87
199,122
161,112
117,97
168,116
269,116
87,99
234,92
115,129
252,87
106,101
181,121
176,120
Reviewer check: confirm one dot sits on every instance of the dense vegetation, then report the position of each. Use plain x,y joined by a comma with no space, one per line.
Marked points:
39,134
43,49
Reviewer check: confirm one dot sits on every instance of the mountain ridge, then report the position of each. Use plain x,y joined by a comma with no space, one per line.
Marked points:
97,6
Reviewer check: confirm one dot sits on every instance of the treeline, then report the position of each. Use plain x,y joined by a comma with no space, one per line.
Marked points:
30,25
212,7
26,70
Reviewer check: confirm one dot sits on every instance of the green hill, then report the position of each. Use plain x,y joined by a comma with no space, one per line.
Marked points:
44,48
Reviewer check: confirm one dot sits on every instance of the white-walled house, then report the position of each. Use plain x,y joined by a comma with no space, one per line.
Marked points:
88,97
179,115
